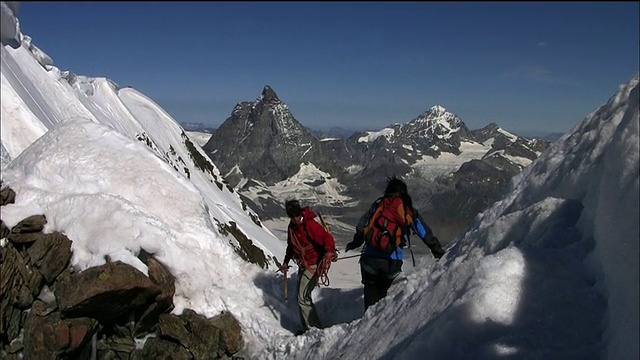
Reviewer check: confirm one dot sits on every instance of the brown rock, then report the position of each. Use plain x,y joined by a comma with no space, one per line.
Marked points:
230,332
51,337
34,223
11,317
163,278
24,239
124,288
193,331
163,302
117,345
28,230
18,283
51,255
4,230
7,196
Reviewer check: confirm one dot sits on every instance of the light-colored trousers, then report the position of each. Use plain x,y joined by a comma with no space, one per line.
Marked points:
306,283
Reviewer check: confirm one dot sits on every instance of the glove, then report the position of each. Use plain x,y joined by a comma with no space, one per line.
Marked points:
284,267
435,247
355,243
331,256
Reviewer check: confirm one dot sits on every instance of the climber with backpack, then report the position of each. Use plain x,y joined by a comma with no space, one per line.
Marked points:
312,247
384,230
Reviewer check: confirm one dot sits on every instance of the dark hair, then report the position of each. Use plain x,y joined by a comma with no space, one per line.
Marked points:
395,185
293,208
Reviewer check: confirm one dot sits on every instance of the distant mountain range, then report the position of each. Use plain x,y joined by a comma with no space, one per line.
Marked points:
544,135
342,132
453,173
197,127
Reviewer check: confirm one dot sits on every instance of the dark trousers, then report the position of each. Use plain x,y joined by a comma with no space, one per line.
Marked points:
377,276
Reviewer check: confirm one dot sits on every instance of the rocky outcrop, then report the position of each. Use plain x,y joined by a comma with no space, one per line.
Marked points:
112,311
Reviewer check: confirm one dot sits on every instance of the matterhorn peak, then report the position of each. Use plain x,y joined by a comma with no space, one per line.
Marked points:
268,95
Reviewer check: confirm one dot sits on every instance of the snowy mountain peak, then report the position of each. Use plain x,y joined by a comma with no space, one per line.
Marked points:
437,109
436,122
438,113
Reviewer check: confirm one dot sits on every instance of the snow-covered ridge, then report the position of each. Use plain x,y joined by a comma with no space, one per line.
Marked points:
373,135
38,97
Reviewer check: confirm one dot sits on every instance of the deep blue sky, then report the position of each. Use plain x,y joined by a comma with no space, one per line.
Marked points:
534,66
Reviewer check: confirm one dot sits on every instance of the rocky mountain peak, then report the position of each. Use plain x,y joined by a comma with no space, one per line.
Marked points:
268,95
436,122
263,140
437,114
437,110
493,130
492,127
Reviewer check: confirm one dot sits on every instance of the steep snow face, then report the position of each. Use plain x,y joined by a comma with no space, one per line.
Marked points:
509,135
38,97
597,165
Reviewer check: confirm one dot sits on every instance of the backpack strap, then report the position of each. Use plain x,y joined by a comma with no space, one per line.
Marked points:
409,222
413,259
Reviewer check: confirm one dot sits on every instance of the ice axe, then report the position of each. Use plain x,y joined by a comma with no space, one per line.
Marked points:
350,256
286,284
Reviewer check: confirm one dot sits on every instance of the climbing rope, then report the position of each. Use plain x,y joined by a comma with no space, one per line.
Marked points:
323,268
300,249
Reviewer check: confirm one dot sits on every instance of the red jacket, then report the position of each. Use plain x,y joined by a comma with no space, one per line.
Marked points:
300,248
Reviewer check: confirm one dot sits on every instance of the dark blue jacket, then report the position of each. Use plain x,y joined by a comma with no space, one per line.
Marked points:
418,226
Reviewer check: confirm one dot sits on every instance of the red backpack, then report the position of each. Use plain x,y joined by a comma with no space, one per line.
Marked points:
384,230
